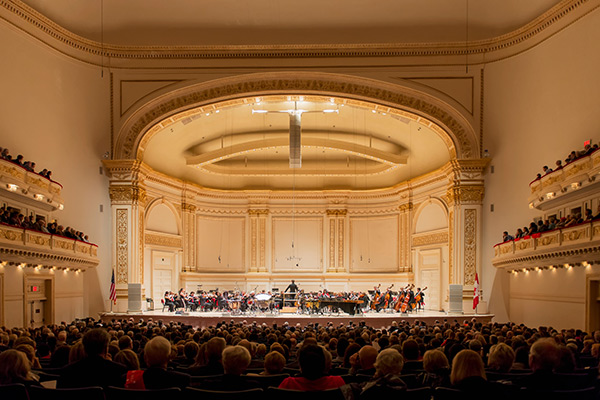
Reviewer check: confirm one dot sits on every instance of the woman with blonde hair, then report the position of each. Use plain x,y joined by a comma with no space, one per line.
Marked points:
437,369
468,376
501,358
15,368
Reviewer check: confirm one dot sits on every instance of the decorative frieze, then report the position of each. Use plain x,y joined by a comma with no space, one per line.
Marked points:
465,194
340,212
163,240
435,238
470,250
122,244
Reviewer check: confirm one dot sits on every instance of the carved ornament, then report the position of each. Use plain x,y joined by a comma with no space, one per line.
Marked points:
161,240
470,250
465,194
405,207
258,212
435,238
187,207
127,194
340,212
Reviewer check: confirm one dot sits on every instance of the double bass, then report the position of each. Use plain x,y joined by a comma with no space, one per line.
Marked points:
404,306
400,298
387,296
376,298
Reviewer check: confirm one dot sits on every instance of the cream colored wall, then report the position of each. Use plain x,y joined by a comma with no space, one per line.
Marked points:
56,112
539,105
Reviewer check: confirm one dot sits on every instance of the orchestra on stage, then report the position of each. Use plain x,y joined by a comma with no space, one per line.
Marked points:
405,300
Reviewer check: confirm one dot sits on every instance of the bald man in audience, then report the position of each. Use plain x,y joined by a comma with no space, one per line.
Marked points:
543,359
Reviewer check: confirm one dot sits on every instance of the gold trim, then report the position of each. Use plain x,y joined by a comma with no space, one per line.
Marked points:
162,240
434,238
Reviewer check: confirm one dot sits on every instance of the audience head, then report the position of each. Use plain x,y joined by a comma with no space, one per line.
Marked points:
466,364
274,363
410,350
367,356
389,361
312,361
214,349
95,342
543,355
128,358
14,367
235,360
501,357
434,361
157,352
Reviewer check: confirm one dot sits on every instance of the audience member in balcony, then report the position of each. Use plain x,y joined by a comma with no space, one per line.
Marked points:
40,225
28,222
547,170
558,165
533,228
538,176
526,231
519,234
4,154
506,237
552,223
588,215
571,157
19,160
561,223
543,225
597,216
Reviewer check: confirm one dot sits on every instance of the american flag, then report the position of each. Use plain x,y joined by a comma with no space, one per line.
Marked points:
113,290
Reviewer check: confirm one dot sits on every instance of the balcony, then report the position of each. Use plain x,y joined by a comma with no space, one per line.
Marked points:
578,244
29,188
37,249
575,180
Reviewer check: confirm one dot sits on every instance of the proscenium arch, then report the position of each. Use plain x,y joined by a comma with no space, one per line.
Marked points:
447,121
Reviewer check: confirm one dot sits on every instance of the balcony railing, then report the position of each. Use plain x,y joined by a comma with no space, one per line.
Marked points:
29,187
38,249
575,244
553,189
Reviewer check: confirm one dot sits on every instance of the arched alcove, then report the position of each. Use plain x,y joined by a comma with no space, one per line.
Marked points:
431,216
162,217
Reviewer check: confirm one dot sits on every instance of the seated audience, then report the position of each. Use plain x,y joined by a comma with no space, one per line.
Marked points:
274,363
157,353
506,237
501,358
468,375
386,380
235,362
437,369
213,354
94,369
128,358
312,367
16,368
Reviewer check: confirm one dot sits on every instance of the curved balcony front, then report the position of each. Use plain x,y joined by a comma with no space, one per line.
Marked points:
576,244
31,248
29,187
574,180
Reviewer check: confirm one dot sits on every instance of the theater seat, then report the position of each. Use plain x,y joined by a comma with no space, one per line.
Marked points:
288,394
16,391
195,393
116,393
86,393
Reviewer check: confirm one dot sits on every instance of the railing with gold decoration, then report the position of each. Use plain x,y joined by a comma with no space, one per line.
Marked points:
37,249
575,244
556,187
29,187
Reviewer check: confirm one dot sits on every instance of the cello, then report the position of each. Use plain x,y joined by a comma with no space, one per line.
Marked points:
418,297
387,296
375,298
400,298
404,306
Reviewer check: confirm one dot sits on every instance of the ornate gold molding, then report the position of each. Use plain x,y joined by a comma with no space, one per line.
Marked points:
470,237
434,238
127,194
162,240
465,194
340,212
122,241
258,212
187,207
405,207
144,122
451,246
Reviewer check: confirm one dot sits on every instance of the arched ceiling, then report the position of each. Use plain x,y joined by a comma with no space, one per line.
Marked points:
346,145
265,22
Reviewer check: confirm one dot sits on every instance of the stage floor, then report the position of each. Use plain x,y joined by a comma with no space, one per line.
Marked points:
377,320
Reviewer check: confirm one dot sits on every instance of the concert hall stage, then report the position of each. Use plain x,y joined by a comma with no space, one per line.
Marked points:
377,320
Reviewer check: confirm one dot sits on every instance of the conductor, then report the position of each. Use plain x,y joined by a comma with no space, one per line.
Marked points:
292,287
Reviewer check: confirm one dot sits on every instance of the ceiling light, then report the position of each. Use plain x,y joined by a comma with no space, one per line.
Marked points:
12,187
39,197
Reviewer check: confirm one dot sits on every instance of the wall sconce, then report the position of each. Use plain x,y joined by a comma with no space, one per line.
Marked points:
39,197
12,187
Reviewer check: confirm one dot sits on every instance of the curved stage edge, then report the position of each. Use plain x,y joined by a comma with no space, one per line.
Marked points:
376,320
